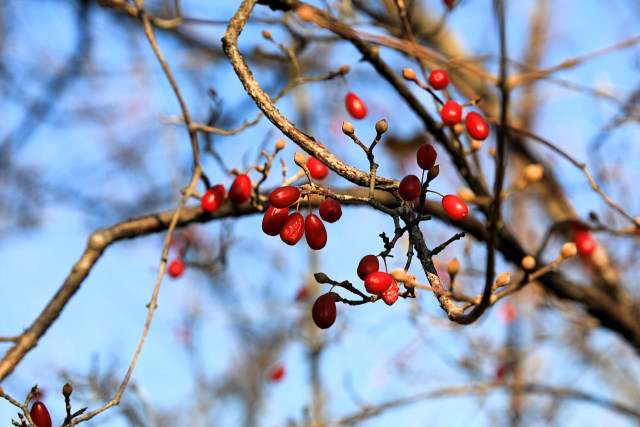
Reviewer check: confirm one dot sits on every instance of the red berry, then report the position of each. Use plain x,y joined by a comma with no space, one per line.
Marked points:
455,208
324,311
391,294
175,268
377,282
292,229
449,3
317,169
438,79
355,106
213,198
501,372
368,264
507,312
284,197
274,219
426,156
410,188
330,210
585,243
40,415
240,189
451,113
277,373
315,232
303,293
476,126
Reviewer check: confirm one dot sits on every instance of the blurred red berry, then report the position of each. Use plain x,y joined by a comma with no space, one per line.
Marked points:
175,268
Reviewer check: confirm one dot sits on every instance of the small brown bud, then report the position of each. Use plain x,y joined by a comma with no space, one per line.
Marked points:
322,278
300,160
382,126
503,279
568,250
260,169
458,128
466,195
280,144
476,145
433,173
67,390
344,69
528,262
266,34
492,152
453,267
409,74
533,173
347,128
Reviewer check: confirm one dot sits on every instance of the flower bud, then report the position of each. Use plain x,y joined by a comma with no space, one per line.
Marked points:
280,144
466,195
568,250
381,126
409,74
528,262
533,173
453,267
347,128
67,390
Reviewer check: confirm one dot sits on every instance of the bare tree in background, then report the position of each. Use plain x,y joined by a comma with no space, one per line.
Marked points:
154,103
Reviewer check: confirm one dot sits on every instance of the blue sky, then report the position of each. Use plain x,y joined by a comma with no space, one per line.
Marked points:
104,320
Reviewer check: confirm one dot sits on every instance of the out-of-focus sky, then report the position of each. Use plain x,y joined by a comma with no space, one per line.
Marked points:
103,322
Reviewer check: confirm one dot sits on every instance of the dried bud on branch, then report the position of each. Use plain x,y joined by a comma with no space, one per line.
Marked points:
453,267
409,74
381,126
347,128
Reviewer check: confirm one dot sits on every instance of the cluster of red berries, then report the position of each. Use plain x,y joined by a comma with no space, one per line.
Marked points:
291,227
410,187
451,112
376,282
211,200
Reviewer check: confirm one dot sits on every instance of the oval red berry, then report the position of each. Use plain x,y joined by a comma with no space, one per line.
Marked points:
277,373
175,268
426,156
240,189
355,106
292,229
368,264
274,219
284,197
451,113
378,282
454,207
585,243
317,169
315,232
330,210
324,311
213,198
410,188
390,296
40,415
476,126
438,79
